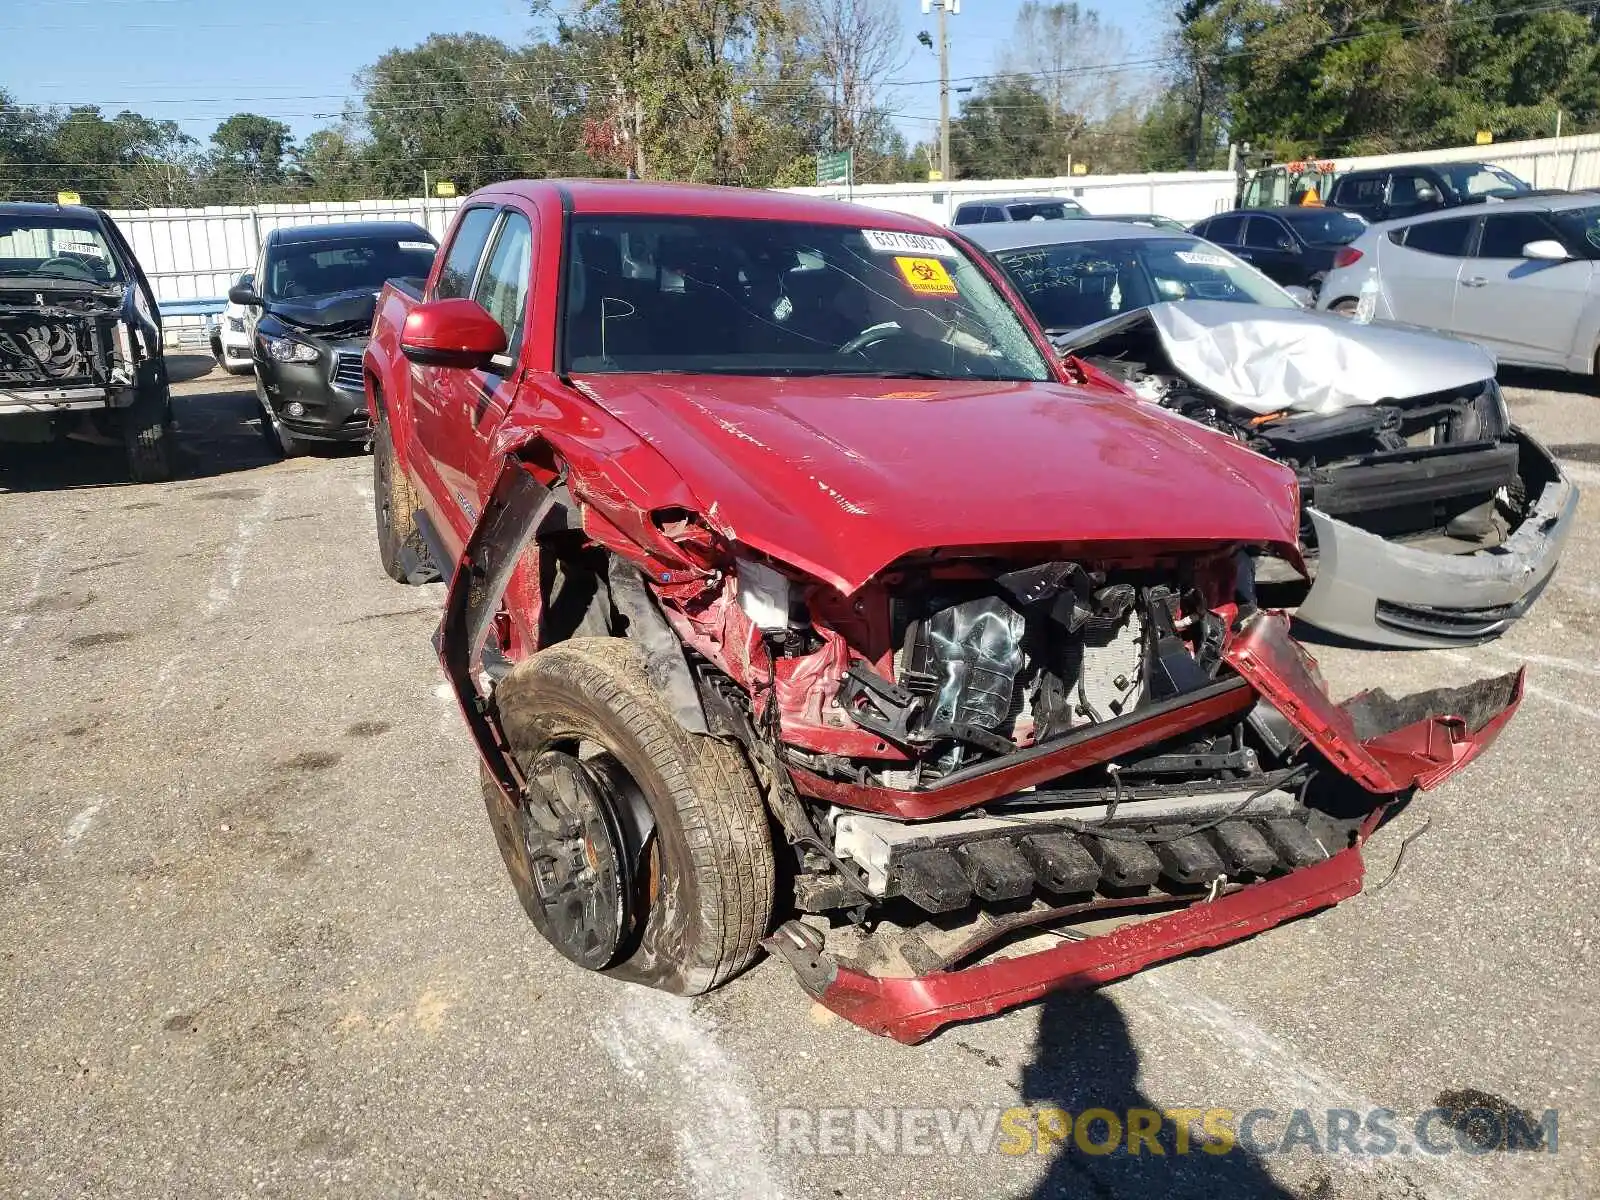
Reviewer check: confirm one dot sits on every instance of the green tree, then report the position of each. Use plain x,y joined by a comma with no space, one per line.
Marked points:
250,153
1008,129
470,109
691,88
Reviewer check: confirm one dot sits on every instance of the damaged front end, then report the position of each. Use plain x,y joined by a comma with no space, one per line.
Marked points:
1429,519
1000,772
64,351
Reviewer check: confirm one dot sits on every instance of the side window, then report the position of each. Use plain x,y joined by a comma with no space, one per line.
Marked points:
466,248
1224,230
1364,191
990,215
1410,191
1267,233
1505,235
1440,237
965,215
503,289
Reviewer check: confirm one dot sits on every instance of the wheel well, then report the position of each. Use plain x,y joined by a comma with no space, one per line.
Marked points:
574,582
1343,300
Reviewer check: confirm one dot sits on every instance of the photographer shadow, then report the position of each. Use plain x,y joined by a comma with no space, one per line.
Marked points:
1084,1059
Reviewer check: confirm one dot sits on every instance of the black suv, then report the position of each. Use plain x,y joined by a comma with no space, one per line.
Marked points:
311,301
80,337
1393,192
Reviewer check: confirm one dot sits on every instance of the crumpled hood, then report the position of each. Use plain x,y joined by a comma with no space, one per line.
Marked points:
1270,359
841,476
322,312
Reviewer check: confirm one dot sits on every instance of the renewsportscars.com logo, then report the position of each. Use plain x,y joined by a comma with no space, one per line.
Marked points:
961,1132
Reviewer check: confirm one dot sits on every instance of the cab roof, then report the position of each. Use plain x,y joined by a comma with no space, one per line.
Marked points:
597,197
301,234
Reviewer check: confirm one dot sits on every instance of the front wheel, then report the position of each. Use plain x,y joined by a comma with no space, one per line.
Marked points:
147,434
641,850
1345,308
401,547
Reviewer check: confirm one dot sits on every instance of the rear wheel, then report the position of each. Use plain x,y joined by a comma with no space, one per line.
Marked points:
1345,308
147,434
401,548
643,850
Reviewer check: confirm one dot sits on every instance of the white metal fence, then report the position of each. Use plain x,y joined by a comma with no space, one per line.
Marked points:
194,254
1186,196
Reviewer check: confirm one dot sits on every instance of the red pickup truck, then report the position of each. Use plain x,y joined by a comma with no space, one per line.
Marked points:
800,598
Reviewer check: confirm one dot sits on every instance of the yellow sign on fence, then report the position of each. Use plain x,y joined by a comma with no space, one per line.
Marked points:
444,188
1484,137
68,198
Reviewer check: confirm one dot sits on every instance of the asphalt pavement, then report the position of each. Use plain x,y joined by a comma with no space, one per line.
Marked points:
255,938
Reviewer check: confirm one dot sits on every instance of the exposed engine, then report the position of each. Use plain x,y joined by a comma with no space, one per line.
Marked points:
1446,465
985,669
55,345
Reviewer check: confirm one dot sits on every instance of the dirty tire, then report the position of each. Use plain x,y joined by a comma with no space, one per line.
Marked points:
1345,308
395,503
147,435
705,915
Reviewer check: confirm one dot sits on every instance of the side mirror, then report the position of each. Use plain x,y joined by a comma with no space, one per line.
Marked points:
1546,250
452,333
245,294
1302,296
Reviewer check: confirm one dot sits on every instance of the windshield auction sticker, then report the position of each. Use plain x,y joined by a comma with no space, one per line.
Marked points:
926,276
886,241
1199,258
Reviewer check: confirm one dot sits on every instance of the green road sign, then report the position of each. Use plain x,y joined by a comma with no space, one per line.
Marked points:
834,167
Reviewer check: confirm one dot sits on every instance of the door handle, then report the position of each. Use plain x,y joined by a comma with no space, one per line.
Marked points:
1475,281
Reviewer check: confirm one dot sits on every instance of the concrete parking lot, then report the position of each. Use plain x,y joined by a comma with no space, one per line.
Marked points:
255,937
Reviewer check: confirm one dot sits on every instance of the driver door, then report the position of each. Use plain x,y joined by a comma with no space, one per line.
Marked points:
1525,310
435,402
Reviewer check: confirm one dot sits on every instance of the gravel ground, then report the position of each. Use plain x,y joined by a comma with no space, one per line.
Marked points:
255,937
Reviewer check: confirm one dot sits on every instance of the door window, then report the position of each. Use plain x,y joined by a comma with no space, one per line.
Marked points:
1224,230
466,248
1440,237
1505,235
1412,191
1266,233
503,288
1363,191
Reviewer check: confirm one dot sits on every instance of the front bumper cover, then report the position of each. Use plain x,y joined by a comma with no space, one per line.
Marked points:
1387,746
1380,593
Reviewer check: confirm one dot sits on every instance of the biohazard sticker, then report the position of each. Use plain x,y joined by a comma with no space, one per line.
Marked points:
926,276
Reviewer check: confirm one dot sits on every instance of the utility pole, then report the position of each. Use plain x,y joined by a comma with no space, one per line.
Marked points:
947,8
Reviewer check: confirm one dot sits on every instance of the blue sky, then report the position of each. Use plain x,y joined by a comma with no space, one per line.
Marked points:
199,61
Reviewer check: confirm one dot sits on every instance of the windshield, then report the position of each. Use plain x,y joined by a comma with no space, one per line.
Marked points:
1045,210
306,270
742,297
1073,284
1581,229
56,248
1478,179
1327,227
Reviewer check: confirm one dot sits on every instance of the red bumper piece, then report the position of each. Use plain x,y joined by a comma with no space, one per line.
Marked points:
911,1009
1386,745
